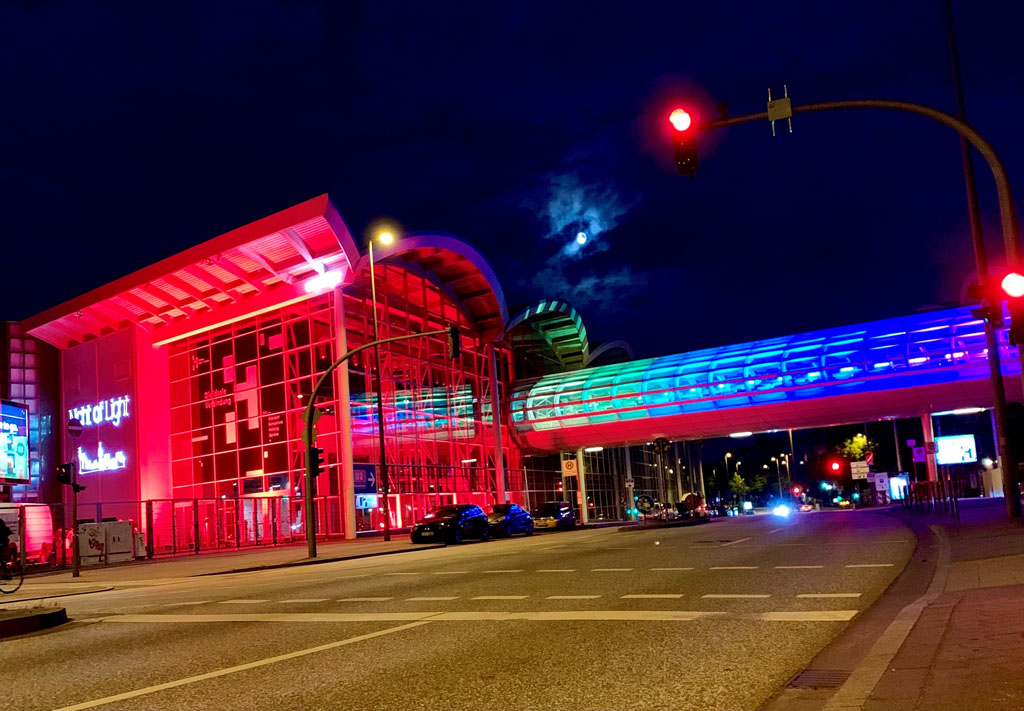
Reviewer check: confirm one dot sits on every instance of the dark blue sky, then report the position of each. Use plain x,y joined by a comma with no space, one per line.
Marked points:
131,134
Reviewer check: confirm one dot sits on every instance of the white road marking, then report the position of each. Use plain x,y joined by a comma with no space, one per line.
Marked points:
715,596
231,670
450,572
365,599
828,595
557,570
494,615
734,567
514,570
240,602
304,599
618,549
350,577
432,598
500,597
399,573
799,567
776,530
653,596
732,543
671,568
610,570
183,604
871,565
572,597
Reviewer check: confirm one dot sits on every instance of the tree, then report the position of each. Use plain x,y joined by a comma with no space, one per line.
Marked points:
758,482
857,447
738,486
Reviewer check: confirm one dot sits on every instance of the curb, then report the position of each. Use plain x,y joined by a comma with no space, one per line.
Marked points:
106,588
315,561
14,626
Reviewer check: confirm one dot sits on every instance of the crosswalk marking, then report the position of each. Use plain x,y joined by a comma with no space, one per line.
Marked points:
304,599
871,565
240,602
500,597
734,567
365,599
721,596
653,596
432,598
572,597
799,567
827,595
557,570
610,570
671,568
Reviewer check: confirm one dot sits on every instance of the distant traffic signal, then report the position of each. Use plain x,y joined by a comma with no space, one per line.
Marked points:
454,343
835,466
65,473
796,491
1013,291
685,141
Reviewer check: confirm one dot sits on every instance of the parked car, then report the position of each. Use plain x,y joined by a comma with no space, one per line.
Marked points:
554,514
506,519
452,524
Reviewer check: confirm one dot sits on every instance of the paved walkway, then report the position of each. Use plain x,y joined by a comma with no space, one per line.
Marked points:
966,650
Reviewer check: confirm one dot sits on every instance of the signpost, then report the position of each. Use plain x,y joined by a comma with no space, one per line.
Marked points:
75,430
859,470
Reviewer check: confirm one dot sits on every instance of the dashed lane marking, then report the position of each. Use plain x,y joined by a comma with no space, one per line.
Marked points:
304,599
732,543
399,573
827,595
450,572
776,530
432,598
799,567
734,567
871,565
671,568
240,602
365,599
572,597
610,570
513,570
721,596
557,570
653,596
194,602
495,615
500,597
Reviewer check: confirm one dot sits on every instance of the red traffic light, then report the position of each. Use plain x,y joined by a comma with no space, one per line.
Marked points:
681,121
796,491
834,466
1013,285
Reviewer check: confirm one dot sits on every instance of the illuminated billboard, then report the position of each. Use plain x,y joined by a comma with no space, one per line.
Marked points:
956,449
14,442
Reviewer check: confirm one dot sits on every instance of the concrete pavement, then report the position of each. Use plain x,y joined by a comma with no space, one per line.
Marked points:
716,616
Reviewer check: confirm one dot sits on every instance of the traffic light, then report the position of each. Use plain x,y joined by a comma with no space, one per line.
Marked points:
1013,291
796,491
685,141
835,466
64,474
454,343
316,460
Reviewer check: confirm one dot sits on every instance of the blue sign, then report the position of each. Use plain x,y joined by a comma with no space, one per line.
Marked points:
366,501
365,476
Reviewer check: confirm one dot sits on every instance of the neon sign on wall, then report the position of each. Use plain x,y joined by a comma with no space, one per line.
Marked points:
113,411
104,461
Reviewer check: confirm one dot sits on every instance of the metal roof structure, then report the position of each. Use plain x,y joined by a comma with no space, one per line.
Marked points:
899,367
551,331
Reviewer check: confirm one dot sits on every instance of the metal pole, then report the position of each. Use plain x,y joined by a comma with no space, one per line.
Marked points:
380,402
581,488
499,458
896,441
76,556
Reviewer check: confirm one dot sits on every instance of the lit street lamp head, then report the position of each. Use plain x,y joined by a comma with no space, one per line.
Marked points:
385,237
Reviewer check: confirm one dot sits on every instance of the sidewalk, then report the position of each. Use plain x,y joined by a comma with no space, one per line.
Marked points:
966,650
161,571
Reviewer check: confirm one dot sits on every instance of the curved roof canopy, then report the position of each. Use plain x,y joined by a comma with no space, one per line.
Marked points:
458,269
551,331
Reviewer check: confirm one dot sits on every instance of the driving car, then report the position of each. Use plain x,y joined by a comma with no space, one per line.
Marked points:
451,524
506,519
806,507
554,514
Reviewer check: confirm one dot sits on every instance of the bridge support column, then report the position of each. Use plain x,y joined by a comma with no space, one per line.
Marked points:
929,444
348,481
629,483
581,487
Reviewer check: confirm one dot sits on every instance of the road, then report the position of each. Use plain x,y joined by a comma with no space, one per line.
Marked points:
712,616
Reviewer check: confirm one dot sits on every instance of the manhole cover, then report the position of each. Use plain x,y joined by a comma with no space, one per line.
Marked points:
818,679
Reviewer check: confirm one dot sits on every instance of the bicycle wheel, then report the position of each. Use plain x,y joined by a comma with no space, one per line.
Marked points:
11,578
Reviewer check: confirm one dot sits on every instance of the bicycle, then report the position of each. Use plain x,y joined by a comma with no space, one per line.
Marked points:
12,575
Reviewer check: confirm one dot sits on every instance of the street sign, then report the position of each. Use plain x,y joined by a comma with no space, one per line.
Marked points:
869,458
911,442
365,476
569,467
919,454
859,475
630,482
645,503
859,470
930,447
366,501
75,427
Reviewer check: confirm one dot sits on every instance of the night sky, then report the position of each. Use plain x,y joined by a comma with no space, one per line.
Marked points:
129,134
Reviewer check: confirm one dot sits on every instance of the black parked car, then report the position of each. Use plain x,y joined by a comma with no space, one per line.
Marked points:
451,524
506,519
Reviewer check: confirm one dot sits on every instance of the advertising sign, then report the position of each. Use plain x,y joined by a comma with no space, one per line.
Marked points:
14,467
956,449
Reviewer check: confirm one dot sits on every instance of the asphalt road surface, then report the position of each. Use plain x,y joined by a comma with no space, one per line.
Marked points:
715,616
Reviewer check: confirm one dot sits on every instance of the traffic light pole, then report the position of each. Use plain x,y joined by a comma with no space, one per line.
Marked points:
309,429
1008,221
76,552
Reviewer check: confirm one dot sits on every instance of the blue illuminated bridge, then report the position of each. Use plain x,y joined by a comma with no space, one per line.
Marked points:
899,367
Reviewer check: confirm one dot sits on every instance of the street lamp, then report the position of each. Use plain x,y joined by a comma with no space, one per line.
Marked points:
385,237
778,473
727,455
